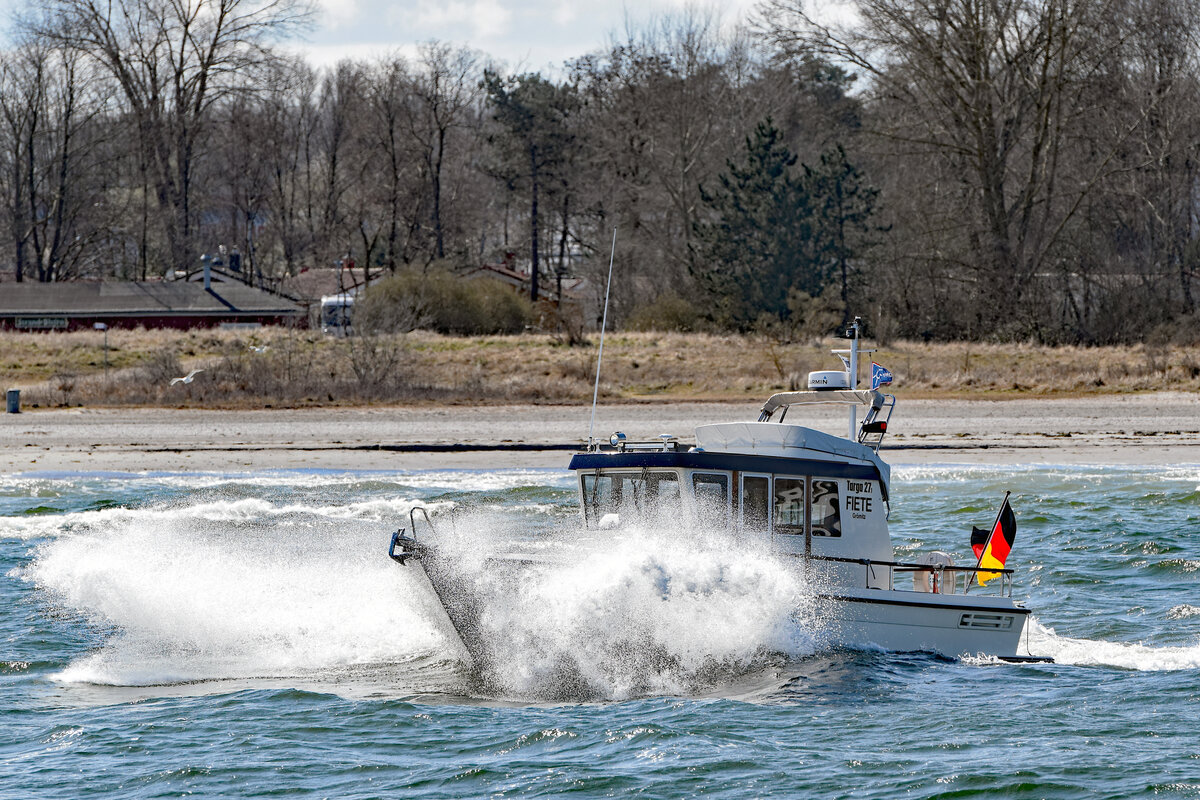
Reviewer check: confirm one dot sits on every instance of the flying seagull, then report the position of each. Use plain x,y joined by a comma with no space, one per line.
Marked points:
259,349
187,378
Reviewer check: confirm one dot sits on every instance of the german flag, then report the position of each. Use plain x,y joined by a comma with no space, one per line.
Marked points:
992,548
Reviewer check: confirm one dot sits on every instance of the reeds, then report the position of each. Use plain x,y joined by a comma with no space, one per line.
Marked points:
285,367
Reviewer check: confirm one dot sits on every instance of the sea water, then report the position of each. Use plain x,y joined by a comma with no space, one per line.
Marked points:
246,635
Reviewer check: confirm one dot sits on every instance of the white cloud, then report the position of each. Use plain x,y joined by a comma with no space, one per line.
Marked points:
565,12
523,34
729,9
486,19
338,14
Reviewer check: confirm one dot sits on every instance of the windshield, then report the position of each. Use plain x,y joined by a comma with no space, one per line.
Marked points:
643,496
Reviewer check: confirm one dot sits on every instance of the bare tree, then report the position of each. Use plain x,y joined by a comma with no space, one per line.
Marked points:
403,204
447,92
666,107
172,60
532,138
336,215
288,118
51,109
1159,87
993,91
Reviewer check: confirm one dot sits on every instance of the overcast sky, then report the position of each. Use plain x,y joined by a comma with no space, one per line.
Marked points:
525,34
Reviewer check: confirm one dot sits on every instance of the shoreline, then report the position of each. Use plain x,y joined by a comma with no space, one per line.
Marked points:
1154,429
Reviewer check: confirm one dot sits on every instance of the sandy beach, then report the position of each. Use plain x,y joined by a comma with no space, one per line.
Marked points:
1162,428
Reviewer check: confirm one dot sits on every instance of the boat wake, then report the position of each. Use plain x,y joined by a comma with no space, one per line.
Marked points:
1122,655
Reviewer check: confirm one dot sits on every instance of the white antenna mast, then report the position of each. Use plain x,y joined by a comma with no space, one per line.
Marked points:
851,363
854,380
603,325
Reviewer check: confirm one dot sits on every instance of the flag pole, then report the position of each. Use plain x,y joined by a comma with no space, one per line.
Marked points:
987,542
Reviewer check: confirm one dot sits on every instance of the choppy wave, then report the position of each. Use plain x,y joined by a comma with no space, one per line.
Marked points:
217,583
1183,611
57,483
217,511
276,642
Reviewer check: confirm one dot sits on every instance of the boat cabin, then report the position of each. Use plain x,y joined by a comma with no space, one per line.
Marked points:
810,493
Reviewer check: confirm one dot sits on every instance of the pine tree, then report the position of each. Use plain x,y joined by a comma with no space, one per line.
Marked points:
842,204
757,246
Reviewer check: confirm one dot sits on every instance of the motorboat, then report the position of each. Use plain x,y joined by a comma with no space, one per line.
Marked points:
820,501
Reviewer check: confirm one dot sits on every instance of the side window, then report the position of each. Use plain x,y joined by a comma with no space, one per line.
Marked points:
712,494
826,517
789,505
755,502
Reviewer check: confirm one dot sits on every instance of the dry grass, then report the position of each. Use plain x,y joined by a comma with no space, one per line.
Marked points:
280,367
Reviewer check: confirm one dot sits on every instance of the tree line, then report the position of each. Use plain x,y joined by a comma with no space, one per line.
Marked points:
947,169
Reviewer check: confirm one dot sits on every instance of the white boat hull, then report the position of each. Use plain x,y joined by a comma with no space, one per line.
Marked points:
902,621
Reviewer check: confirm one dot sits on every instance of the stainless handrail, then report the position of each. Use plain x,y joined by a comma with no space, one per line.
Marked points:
412,520
1006,582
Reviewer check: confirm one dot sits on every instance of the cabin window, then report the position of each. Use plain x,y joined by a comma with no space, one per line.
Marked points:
712,493
755,502
668,489
662,497
789,505
597,498
826,517
631,495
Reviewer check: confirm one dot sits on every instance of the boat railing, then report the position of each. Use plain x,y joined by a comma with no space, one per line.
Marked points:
404,547
874,424
785,400
619,443
412,519
942,578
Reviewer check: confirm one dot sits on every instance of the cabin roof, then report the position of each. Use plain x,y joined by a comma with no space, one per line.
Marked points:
837,396
693,459
756,447
782,441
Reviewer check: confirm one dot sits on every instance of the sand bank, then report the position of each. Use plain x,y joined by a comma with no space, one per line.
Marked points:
1161,428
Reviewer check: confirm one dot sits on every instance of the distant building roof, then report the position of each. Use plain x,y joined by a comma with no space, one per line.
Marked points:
313,284
519,280
153,304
